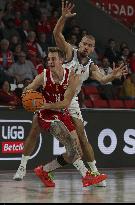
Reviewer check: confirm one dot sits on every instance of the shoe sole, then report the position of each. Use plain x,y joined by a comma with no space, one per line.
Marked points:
95,182
100,185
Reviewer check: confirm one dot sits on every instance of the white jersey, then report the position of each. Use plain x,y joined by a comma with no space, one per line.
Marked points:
78,68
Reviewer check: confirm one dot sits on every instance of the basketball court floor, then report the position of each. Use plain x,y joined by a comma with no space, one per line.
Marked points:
120,188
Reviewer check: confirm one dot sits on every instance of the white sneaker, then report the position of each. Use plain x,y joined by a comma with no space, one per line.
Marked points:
101,184
19,175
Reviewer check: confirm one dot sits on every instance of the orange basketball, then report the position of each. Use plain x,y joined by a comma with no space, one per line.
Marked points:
32,100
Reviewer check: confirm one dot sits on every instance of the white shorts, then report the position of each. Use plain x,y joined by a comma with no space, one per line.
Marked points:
74,109
75,112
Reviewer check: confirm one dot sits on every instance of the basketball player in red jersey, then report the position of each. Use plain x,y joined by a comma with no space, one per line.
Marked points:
82,64
59,86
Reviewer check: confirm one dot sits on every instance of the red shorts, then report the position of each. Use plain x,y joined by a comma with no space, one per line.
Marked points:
46,116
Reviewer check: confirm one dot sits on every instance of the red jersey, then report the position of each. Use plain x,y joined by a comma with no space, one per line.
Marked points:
55,92
39,68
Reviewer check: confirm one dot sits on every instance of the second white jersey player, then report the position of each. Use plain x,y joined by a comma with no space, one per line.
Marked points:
84,70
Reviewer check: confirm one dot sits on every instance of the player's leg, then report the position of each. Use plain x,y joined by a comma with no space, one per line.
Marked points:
88,152
87,149
29,146
73,155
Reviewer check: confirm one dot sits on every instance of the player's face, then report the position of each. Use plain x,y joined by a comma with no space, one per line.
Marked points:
86,46
54,61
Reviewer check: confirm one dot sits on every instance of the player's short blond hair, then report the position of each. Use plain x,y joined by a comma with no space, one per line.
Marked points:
61,54
89,37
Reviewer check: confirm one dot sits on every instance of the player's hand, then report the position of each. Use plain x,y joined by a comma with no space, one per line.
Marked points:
42,107
67,9
26,91
120,71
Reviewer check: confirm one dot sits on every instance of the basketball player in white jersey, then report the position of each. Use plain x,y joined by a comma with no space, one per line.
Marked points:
78,59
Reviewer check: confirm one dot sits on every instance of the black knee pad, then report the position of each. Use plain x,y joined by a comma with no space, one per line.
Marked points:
61,161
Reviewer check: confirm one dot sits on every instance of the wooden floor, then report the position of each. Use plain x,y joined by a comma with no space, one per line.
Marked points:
120,188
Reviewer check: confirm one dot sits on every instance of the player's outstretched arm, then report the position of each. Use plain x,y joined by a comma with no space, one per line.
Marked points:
36,83
59,38
117,72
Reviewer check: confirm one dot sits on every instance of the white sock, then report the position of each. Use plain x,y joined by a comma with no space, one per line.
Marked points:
92,166
24,160
51,166
80,167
